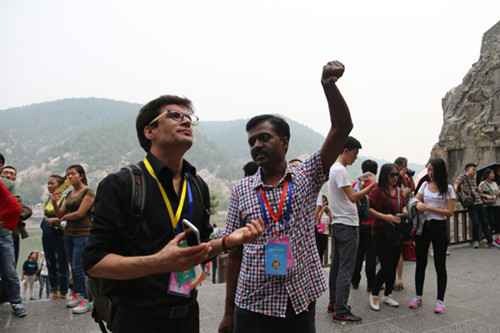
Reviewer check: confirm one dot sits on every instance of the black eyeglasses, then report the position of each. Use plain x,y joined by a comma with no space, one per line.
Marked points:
394,175
177,116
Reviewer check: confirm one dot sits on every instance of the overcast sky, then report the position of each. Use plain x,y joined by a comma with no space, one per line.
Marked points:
236,59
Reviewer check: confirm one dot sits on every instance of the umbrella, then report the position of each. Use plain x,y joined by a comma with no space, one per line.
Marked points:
493,167
420,175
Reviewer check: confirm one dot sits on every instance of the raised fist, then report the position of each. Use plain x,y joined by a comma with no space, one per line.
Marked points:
332,71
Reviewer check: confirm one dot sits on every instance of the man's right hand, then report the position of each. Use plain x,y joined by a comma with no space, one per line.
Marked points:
226,324
173,258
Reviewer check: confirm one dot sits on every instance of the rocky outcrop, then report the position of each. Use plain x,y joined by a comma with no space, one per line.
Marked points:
471,112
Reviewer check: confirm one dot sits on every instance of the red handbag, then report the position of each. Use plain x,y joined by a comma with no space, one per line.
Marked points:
409,252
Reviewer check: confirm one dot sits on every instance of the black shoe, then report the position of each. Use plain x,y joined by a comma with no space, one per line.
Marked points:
355,286
348,317
330,307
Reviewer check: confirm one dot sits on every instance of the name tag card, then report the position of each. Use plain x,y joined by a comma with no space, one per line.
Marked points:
276,255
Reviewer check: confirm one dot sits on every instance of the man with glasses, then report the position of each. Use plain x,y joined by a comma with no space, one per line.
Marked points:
156,269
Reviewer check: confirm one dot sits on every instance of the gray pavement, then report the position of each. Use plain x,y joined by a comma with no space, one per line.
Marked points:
472,303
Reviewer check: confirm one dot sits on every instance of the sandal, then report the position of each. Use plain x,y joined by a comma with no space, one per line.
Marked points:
398,286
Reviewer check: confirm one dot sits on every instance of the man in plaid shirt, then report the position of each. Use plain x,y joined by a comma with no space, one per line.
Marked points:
260,297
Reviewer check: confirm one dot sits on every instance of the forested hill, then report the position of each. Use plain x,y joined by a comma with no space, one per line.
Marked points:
45,138
42,139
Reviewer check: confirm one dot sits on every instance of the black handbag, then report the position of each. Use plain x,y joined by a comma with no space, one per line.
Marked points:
401,232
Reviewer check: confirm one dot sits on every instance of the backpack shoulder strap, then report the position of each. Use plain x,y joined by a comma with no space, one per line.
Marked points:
196,182
137,199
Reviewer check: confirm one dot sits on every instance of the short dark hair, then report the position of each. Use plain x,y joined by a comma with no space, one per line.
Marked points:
369,166
2,159
400,160
470,165
250,168
81,171
351,143
295,160
151,110
9,167
280,125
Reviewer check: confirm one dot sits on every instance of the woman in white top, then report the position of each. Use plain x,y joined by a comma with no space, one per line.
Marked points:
489,193
437,201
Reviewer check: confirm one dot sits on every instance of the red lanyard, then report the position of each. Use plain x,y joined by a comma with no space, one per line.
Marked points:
264,201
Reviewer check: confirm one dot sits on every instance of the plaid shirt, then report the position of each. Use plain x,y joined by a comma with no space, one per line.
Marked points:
305,282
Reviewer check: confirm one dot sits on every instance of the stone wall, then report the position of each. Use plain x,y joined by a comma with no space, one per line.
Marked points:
471,113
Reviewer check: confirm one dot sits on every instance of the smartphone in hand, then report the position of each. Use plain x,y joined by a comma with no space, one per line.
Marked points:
192,233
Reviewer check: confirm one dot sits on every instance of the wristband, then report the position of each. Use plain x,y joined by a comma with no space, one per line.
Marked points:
224,245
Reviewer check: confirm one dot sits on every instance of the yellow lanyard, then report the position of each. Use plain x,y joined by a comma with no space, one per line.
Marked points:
174,219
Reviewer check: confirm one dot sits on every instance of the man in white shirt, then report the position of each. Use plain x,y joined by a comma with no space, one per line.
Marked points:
345,230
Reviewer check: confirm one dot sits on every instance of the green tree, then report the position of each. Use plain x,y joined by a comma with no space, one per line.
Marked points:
213,204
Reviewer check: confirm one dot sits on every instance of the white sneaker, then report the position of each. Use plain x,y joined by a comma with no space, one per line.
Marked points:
374,303
389,300
476,244
493,244
74,301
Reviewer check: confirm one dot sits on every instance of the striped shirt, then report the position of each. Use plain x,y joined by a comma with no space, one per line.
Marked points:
305,282
470,183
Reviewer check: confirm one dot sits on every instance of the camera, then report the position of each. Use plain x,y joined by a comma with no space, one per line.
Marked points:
410,172
402,217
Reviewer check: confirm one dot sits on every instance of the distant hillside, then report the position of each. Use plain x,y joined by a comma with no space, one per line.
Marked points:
42,139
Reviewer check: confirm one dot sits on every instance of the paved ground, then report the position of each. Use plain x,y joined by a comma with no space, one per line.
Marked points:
472,304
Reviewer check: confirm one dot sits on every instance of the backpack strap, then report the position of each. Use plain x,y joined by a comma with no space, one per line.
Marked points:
137,202
196,182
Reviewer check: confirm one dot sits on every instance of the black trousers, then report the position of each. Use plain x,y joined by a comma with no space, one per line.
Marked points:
321,242
250,322
493,213
388,256
126,322
365,248
434,231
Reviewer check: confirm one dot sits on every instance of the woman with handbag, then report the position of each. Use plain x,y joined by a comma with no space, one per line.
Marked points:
324,220
489,195
388,208
437,201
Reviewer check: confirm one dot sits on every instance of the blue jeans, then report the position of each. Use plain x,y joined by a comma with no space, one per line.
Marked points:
344,260
44,282
8,270
57,261
74,249
478,216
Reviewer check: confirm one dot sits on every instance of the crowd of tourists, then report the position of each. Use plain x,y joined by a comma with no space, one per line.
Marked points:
150,228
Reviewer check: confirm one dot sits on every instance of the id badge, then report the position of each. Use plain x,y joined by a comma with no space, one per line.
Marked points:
186,275
178,289
276,255
289,254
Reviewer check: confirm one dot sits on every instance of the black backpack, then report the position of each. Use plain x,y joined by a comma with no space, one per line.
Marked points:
100,291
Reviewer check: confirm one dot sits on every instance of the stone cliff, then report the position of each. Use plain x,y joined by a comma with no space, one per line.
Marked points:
471,113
